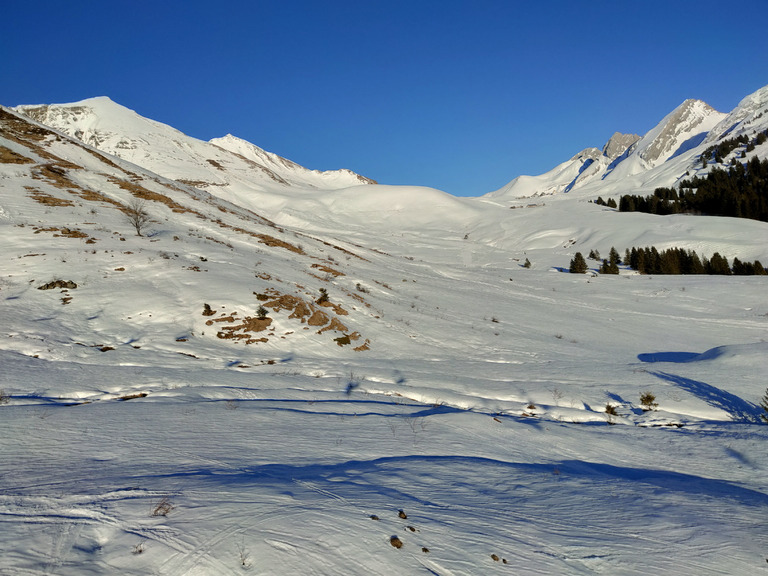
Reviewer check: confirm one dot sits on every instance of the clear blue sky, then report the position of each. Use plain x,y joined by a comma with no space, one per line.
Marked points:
459,95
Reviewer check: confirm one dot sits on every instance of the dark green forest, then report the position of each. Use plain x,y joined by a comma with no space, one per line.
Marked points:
740,191
650,260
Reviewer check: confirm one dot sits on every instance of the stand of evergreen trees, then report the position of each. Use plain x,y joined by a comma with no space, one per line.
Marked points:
649,260
741,192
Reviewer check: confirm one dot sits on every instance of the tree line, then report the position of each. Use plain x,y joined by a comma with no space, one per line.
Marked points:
741,191
650,260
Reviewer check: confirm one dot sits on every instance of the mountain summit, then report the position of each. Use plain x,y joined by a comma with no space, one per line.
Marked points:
662,156
222,162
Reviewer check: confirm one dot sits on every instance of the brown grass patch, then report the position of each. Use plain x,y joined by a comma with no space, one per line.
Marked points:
143,193
19,127
336,308
8,156
318,318
334,325
194,183
272,241
47,199
364,346
245,330
56,173
305,311
58,232
328,270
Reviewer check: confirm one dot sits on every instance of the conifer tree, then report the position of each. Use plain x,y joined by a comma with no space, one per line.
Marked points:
764,406
578,264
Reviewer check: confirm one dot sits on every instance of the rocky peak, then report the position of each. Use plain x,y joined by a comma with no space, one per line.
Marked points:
618,144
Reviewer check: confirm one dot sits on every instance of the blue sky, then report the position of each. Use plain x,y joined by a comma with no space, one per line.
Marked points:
458,95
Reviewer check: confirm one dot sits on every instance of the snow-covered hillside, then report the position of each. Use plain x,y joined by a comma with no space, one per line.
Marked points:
410,399
222,162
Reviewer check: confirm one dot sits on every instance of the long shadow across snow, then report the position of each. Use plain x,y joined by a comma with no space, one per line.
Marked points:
355,475
739,409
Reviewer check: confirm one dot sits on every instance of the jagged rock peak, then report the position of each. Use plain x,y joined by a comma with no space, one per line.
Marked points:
618,144
688,119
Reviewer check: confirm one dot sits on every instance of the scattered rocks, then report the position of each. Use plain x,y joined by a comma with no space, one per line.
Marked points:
68,284
402,514
396,542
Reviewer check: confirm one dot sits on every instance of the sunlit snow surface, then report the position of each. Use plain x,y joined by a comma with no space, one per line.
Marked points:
479,410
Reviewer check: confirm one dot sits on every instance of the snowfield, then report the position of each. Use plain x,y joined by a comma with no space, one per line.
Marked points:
443,412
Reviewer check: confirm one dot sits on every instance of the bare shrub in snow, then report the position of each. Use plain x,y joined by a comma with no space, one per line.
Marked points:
648,401
162,507
137,215
243,555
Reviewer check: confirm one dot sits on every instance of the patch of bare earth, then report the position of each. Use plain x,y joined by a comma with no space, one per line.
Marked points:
305,311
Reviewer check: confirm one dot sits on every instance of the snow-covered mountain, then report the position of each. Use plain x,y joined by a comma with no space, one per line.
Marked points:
665,154
295,373
112,128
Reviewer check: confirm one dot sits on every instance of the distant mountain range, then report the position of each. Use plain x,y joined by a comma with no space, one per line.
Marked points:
661,157
232,166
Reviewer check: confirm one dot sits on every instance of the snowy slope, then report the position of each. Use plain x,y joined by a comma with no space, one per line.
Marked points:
751,114
142,434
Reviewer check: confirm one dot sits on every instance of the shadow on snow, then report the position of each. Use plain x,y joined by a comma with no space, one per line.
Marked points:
353,474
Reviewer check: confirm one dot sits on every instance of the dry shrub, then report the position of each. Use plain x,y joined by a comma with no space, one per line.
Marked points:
648,401
162,507
396,542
